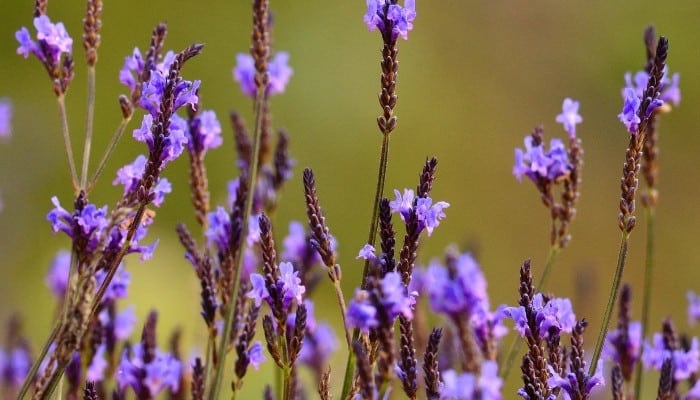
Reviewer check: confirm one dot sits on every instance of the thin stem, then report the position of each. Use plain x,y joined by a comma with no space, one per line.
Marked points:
343,311
260,99
108,152
646,297
66,138
374,222
378,194
517,343
35,367
89,120
612,299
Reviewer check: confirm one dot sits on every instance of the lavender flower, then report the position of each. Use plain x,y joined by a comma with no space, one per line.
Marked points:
96,370
14,366
693,307
569,116
130,176
205,132
86,225
685,363
278,70
173,144
554,316
427,213
118,286
52,41
154,376
632,95
462,291
669,89
487,386
256,355
400,19
288,284
395,300
152,93
123,323
57,278
258,291
5,118
571,385
361,313
134,66
538,165
296,246
633,348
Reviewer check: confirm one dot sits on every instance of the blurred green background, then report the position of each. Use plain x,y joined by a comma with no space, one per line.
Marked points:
475,77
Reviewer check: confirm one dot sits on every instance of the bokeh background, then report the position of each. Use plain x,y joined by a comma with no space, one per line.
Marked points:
475,77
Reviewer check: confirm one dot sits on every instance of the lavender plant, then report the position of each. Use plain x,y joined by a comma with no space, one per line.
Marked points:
255,295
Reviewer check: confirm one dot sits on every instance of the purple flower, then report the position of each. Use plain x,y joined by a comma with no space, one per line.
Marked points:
668,89
361,314
395,298
290,284
367,253
630,107
400,19
88,224
278,70
569,116
123,323
427,213
462,291
14,366
685,363
633,344
258,292
256,355
693,307
118,286
162,372
296,246
5,118
487,386
132,69
553,317
57,278
130,176
571,385
173,144
53,40
96,370
538,165
185,92
205,133
219,228
319,344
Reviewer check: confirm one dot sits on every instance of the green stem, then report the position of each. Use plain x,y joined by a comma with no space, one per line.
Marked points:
66,138
379,192
35,367
89,120
646,297
260,99
612,298
518,342
108,152
341,305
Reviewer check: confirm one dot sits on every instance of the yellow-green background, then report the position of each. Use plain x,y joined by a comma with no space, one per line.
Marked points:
475,77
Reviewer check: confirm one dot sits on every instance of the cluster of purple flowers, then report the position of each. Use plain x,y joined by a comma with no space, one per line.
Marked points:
427,213
485,386
288,284
389,17
278,69
552,316
148,376
633,94
395,300
52,41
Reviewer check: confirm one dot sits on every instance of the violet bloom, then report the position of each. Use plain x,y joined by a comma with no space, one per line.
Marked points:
52,41
570,385
290,285
633,345
693,307
487,386
668,89
400,19
162,372
361,314
538,165
123,323
173,144
205,132
219,228
458,292
685,363
630,107
297,248
14,366
256,355
5,118
88,224
118,286
130,176
569,116
427,213
553,317
57,278
278,70
96,370
395,298
185,92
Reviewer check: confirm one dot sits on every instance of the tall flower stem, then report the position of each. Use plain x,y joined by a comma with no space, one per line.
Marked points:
378,194
89,123
646,298
518,342
40,357
108,152
612,299
260,99
66,138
